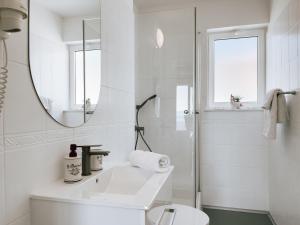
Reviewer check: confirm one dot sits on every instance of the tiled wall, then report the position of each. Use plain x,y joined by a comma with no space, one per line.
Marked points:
33,145
234,160
284,68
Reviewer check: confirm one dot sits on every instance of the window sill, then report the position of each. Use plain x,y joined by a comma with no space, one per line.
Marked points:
229,109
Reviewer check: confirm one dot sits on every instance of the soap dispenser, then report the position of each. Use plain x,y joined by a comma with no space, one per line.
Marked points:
73,168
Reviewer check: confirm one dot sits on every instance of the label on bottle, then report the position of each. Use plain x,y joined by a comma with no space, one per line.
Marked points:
73,169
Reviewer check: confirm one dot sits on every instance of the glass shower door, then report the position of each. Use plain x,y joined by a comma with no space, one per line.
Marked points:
165,67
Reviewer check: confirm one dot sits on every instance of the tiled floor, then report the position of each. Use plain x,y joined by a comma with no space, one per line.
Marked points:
224,217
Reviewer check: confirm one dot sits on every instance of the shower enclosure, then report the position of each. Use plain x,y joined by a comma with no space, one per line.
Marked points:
165,57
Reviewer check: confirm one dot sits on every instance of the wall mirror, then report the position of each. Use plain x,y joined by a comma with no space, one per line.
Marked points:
65,57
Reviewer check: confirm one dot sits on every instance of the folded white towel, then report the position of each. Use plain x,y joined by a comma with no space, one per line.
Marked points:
275,112
150,161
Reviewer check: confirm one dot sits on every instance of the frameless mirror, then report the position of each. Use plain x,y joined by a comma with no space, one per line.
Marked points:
65,57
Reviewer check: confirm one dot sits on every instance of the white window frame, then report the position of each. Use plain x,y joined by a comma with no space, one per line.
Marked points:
261,73
72,94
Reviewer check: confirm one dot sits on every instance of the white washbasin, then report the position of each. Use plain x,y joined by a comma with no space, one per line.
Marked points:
121,180
115,190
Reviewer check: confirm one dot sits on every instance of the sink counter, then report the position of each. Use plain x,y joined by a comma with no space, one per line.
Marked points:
114,190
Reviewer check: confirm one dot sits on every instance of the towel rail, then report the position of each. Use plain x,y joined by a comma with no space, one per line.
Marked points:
288,93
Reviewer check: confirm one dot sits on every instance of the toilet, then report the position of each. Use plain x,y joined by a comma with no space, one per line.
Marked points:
176,215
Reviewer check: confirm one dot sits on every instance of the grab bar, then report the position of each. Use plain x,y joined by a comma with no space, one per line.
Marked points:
288,93
164,218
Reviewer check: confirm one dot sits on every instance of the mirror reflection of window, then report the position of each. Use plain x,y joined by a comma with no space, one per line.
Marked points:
59,32
93,80
78,91
92,75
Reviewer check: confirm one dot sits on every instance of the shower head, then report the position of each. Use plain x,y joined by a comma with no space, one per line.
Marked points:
138,107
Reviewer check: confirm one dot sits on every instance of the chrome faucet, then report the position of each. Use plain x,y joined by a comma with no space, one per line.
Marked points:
86,157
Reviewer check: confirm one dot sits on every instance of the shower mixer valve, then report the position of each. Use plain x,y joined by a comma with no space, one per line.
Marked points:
140,129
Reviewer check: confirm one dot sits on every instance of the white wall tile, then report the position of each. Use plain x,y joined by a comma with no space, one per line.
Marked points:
1,134
22,176
293,43
228,197
116,72
294,74
293,13
250,135
298,36
284,151
27,169
2,192
234,159
24,220
284,63
35,145
23,112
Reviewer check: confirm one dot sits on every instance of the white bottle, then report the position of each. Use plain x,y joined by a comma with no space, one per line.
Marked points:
96,162
73,167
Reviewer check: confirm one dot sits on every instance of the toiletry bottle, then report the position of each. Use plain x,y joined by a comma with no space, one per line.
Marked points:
96,162
73,168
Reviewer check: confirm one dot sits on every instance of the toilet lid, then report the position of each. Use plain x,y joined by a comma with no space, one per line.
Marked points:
184,215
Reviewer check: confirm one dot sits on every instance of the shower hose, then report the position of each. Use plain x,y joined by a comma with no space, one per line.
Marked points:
139,133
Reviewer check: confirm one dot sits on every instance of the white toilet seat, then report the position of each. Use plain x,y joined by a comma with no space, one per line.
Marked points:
184,215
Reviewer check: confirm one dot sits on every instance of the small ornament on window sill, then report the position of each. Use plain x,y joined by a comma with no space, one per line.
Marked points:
236,102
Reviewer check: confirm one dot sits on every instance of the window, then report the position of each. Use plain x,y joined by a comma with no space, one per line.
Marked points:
236,67
92,75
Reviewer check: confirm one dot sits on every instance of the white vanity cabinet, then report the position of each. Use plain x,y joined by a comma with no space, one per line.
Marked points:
118,195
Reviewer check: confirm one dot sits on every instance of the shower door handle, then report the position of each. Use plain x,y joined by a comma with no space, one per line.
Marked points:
186,112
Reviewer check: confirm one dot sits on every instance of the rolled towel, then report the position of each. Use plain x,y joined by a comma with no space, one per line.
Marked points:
150,161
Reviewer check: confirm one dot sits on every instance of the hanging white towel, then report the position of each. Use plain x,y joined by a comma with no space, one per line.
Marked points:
275,112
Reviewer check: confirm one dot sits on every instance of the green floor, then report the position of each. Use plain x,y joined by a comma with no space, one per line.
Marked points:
224,217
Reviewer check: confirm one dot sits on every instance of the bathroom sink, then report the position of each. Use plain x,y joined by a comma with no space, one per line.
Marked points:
121,180
116,190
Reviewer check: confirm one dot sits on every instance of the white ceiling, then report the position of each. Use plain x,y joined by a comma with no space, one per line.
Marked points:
71,8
